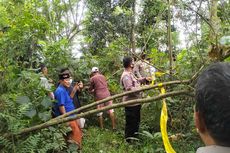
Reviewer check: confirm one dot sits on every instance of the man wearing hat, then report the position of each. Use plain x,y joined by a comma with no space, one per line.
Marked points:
98,86
64,103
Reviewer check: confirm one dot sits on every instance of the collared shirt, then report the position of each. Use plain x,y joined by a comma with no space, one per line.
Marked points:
130,82
143,69
213,149
140,69
63,99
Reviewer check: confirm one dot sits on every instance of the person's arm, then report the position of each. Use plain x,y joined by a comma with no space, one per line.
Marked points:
62,109
91,87
81,86
143,79
50,81
75,89
51,95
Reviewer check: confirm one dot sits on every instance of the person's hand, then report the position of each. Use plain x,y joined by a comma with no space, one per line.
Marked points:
91,91
76,87
50,81
80,84
148,78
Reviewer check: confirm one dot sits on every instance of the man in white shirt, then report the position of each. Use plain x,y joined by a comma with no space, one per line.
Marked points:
44,81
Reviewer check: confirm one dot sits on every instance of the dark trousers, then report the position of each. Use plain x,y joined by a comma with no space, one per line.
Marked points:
132,117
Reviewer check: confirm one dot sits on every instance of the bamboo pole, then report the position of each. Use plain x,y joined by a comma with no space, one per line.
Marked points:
123,104
132,36
169,39
120,95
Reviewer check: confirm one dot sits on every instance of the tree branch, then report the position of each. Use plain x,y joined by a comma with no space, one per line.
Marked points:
123,104
194,77
227,54
121,95
202,17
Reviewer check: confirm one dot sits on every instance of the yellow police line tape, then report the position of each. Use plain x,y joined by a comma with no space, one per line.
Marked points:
163,124
164,118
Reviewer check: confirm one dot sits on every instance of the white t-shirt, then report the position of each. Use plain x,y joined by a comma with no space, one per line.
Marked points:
45,83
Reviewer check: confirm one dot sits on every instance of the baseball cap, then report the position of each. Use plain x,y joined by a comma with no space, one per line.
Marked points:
95,69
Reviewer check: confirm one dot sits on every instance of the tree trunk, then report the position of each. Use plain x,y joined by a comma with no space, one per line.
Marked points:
123,104
132,38
169,39
125,93
215,53
214,21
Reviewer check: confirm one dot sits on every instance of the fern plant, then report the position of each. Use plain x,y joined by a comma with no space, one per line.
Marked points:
24,106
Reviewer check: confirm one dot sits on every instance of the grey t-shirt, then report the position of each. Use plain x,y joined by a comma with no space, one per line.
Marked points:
213,149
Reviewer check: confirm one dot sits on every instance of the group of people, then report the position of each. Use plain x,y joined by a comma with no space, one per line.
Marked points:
211,114
66,97
212,107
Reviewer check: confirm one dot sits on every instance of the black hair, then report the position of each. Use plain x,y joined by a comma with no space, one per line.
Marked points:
127,61
42,66
63,70
143,56
213,101
64,73
134,58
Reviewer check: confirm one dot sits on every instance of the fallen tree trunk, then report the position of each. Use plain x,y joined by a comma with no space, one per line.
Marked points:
123,104
121,95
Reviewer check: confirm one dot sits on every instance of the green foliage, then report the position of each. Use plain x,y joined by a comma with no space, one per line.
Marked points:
5,143
97,140
25,107
187,62
30,33
113,25
223,13
111,142
49,139
35,31
150,26
18,43
23,104
151,117
158,58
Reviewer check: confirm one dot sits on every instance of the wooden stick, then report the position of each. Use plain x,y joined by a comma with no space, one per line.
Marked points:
123,104
120,95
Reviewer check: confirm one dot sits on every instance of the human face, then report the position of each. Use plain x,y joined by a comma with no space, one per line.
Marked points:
66,82
45,71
